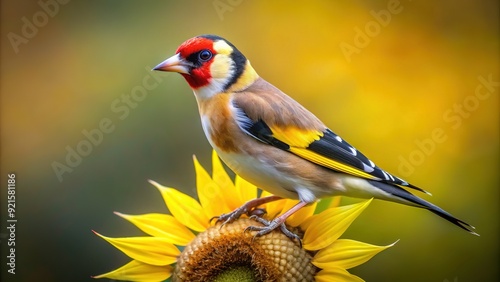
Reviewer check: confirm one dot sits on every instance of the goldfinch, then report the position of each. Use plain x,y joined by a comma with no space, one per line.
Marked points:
275,143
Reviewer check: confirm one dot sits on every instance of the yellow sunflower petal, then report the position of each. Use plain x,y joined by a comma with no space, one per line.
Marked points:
219,174
326,203
346,254
335,202
306,223
272,208
298,217
161,225
150,250
326,227
209,193
184,208
336,274
246,190
139,271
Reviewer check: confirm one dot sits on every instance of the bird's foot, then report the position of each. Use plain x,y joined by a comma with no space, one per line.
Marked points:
232,216
249,208
269,226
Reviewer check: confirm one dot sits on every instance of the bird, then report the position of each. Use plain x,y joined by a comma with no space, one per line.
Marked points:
275,143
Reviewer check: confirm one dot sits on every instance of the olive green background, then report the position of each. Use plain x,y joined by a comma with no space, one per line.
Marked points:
404,90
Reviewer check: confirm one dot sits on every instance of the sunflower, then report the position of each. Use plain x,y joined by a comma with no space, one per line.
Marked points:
188,246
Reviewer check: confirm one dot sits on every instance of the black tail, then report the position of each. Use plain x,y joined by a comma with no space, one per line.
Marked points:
401,193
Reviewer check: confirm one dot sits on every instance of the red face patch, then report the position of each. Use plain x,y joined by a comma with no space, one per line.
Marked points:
199,76
194,45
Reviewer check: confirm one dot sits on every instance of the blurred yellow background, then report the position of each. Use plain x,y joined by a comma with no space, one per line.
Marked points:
84,123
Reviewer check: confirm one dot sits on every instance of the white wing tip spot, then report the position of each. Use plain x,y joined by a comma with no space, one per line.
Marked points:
386,176
392,178
367,168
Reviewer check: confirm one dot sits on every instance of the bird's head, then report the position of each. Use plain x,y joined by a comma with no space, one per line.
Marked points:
210,64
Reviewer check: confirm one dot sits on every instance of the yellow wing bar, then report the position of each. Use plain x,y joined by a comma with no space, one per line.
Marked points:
329,163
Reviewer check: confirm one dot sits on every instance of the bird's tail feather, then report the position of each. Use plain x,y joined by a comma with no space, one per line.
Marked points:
403,194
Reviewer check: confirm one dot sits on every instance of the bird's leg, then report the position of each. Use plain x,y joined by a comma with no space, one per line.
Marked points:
277,222
245,208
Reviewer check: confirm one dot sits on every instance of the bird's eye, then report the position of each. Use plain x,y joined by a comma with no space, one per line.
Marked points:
205,55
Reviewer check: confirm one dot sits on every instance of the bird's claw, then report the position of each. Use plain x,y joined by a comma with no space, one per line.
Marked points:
269,226
237,213
229,217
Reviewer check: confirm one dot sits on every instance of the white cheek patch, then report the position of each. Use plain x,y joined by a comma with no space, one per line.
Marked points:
222,71
221,67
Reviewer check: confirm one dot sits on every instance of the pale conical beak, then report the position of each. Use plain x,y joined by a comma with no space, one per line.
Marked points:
174,64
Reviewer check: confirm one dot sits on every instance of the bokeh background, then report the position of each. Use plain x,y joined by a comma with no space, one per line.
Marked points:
386,92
